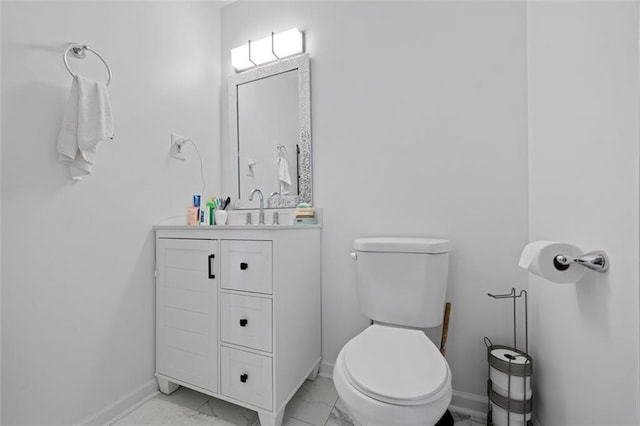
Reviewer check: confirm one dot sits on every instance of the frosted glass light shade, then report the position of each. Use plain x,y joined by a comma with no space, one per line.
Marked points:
240,58
261,51
288,43
285,44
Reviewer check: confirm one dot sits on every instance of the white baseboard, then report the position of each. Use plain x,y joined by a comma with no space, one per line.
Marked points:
326,369
470,404
475,406
124,405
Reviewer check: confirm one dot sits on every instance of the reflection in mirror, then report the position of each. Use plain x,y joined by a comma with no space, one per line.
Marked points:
270,132
268,124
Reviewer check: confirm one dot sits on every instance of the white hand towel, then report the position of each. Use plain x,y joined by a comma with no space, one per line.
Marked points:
87,121
283,173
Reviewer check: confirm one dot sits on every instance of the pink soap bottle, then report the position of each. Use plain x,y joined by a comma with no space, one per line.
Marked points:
192,216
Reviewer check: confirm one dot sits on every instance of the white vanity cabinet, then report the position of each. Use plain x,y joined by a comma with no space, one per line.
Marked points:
238,312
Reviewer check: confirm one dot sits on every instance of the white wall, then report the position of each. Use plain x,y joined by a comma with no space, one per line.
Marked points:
0,232
583,161
418,115
78,297
440,140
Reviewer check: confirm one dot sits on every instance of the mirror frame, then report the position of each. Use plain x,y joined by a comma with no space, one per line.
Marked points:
305,181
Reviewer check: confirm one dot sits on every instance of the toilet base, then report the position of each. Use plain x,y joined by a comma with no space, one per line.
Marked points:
446,420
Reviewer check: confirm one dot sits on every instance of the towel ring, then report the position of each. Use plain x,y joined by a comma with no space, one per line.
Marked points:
79,51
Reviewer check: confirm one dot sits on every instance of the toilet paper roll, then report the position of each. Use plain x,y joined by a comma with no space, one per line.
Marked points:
537,257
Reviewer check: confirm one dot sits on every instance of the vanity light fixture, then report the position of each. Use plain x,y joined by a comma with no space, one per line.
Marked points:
268,49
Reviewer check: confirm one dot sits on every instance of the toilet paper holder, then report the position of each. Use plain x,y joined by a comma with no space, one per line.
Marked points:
595,260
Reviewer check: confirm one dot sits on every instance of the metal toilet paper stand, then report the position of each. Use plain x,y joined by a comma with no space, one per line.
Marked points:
516,364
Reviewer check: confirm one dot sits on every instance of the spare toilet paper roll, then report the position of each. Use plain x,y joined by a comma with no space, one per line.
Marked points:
537,257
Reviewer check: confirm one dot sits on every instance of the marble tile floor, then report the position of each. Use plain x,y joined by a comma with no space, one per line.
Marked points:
315,404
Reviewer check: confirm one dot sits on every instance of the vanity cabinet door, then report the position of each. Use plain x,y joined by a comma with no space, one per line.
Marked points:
246,265
187,311
246,321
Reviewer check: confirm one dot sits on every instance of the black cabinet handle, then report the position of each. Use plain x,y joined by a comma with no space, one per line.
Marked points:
211,275
244,266
244,322
244,377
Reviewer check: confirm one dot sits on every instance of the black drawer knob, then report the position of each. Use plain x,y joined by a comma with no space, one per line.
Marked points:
244,377
244,265
244,322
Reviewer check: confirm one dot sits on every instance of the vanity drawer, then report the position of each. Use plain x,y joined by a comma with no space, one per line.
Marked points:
246,377
246,321
246,265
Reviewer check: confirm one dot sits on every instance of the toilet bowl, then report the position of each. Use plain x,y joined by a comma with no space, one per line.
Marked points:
390,375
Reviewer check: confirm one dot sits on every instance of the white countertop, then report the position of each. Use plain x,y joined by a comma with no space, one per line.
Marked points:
236,227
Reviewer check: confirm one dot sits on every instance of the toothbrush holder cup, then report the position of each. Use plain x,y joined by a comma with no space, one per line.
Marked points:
220,217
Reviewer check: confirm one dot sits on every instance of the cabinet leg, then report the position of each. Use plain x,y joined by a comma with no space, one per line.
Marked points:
314,372
269,419
166,387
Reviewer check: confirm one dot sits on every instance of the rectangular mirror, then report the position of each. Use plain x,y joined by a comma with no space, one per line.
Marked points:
270,133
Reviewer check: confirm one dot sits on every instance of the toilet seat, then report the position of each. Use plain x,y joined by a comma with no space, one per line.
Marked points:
395,365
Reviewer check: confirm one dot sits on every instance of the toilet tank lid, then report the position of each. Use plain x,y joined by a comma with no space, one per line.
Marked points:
402,245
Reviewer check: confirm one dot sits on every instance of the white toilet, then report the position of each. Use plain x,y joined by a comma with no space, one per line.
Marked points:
391,373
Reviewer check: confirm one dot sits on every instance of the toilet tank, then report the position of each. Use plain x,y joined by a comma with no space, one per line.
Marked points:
403,281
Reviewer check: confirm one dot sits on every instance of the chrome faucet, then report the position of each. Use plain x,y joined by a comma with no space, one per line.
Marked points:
261,216
276,215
